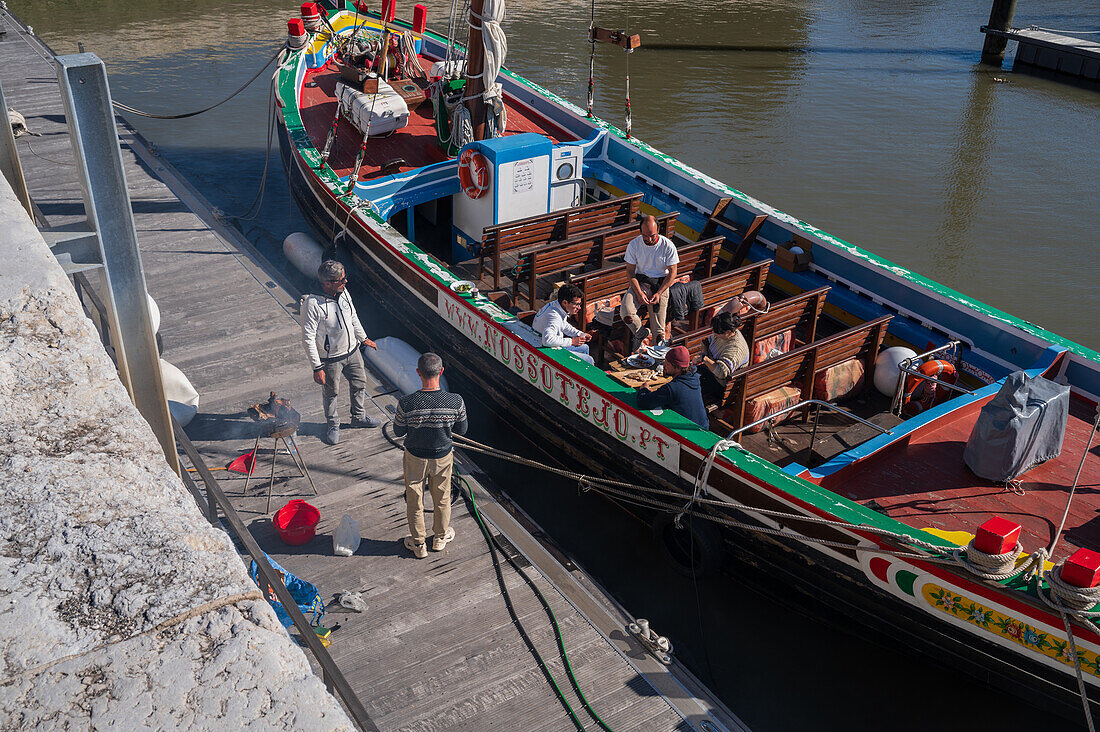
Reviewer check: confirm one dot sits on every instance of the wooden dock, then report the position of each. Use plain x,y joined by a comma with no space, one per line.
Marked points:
436,648
1043,49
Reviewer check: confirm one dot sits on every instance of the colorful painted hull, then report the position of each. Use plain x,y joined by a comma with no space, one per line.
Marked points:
996,630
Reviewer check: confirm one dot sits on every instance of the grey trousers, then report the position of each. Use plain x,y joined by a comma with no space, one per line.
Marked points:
352,368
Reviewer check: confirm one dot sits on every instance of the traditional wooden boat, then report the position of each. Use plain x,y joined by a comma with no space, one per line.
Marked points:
871,506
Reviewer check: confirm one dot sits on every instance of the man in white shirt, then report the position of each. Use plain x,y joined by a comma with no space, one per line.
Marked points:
651,261
551,321
332,334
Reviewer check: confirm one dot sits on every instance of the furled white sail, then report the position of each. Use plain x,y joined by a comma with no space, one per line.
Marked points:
496,48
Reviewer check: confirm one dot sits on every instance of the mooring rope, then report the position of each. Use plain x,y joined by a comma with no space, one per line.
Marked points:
131,110
1055,30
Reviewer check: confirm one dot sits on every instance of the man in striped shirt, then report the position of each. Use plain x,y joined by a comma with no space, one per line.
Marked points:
428,418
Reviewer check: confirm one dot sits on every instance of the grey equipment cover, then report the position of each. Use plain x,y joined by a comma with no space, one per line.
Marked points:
1019,428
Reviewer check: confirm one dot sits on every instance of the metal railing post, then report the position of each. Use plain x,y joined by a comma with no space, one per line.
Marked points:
87,99
10,166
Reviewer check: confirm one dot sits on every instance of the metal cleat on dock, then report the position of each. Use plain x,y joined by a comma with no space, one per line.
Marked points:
658,645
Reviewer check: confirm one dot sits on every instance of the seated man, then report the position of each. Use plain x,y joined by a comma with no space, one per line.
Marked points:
552,322
682,394
651,259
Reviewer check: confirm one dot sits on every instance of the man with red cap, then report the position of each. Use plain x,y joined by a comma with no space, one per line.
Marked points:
683,394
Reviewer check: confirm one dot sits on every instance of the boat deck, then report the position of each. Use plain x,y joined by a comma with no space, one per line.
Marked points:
436,648
415,144
925,483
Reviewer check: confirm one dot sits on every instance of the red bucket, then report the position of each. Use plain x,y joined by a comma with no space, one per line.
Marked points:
296,522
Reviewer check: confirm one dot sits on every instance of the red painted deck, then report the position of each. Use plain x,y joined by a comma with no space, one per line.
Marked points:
416,143
925,483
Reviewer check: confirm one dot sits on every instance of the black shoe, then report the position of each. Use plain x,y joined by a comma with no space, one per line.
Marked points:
365,422
636,341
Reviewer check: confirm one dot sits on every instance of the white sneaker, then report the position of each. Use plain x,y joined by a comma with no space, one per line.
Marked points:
419,549
438,542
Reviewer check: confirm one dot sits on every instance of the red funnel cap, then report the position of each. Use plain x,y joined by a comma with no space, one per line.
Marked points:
244,463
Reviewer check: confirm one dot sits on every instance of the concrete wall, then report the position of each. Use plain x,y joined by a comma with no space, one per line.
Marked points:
119,604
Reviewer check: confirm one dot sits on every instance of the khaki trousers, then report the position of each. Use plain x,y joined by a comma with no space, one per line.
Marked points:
437,474
657,313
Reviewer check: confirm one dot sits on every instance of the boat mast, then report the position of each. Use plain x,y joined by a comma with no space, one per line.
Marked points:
475,71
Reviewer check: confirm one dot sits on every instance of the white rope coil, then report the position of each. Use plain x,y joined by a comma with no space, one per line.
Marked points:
991,566
312,22
1073,597
295,43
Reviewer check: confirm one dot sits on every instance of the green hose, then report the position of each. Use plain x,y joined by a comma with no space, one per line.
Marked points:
553,620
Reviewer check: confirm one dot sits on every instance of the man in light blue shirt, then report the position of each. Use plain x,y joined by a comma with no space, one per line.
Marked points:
552,322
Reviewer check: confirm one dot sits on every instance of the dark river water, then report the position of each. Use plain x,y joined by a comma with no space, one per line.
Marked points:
867,118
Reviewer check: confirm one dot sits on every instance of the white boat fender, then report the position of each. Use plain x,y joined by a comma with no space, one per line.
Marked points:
304,253
154,312
886,368
396,361
183,400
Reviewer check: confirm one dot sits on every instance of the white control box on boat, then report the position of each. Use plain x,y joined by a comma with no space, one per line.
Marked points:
511,178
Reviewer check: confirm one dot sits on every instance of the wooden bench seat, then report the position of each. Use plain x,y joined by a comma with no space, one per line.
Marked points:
798,313
554,226
745,235
589,251
797,369
718,290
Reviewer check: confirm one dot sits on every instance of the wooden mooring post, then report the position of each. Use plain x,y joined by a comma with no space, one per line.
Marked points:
1000,18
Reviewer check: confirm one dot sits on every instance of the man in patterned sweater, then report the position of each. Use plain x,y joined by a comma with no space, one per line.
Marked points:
428,418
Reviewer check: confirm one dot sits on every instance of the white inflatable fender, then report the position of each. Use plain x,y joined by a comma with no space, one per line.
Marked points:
183,400
886,368
304,252
396,360
154,312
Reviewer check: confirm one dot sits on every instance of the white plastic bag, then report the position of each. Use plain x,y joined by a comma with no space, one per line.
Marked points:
345,541
352,601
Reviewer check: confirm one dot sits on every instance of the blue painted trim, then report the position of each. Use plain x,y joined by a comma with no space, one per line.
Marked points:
402,190
911,425
794,469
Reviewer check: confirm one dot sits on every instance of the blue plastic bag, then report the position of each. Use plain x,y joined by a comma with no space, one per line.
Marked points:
306,595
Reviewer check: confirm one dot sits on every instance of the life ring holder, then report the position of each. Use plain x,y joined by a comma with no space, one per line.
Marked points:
473,173
936,370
